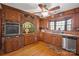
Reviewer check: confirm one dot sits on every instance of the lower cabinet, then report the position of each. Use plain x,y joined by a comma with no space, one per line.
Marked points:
30,38
57,40
8,44
53,39
41,36
13,43
27,39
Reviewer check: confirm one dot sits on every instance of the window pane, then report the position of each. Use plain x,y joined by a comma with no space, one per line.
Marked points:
69,24
69,21
60,24
62,28
51,25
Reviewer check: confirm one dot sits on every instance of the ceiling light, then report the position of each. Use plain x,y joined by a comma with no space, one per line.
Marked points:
44,14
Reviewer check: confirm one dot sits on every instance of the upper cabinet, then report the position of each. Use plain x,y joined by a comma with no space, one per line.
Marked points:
77,10
11,14
76,22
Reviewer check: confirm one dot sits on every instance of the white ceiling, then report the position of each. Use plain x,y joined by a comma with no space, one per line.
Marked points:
33,7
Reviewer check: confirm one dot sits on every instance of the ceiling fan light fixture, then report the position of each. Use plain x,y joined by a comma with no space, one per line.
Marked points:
45,14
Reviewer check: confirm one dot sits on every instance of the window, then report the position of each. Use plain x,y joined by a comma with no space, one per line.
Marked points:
69,24
52,25
61,25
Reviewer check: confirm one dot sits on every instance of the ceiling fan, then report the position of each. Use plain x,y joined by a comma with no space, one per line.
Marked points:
44,9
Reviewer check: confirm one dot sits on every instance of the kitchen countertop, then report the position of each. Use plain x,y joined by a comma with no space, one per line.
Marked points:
63,34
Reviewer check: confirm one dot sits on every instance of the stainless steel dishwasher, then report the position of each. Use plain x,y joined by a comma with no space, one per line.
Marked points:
69,43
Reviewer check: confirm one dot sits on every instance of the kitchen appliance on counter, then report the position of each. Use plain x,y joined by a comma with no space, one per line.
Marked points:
69,43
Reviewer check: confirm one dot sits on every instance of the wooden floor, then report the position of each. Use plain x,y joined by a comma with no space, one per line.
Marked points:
39,49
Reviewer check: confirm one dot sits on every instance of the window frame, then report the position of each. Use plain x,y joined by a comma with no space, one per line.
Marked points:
65,29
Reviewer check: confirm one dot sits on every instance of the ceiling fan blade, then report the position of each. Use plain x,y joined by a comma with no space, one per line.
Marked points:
55,8
37,12
40,11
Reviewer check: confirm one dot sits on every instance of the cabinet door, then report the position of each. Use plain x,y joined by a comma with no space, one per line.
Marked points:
11,14
41,36
76,21
17,42
8,44
58,41
12,43
37,37
34,38
49,38
45,37
27,39
54,39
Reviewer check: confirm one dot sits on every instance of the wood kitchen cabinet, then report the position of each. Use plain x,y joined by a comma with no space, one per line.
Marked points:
30,38
41,36
77,10
53,39
43,23
76,21
7,44
57,40
12,43
27,39
11,14
48,38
